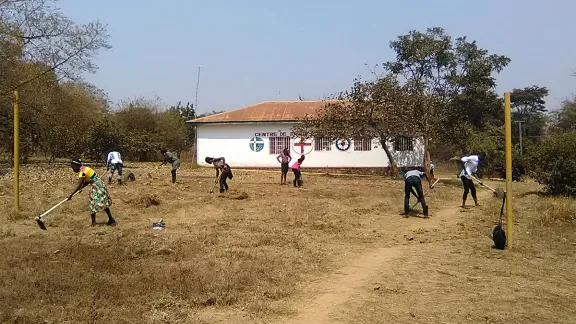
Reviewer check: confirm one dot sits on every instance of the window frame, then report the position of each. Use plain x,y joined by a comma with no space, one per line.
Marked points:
278,143
365,144
404,144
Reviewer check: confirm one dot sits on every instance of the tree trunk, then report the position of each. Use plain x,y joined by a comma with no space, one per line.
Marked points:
393,166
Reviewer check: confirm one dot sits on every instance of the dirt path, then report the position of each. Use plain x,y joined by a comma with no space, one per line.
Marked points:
321,301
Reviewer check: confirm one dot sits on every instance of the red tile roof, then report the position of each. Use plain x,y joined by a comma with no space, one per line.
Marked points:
269,111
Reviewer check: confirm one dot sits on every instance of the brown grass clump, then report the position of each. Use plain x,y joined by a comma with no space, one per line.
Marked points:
144,201
558,211
241,195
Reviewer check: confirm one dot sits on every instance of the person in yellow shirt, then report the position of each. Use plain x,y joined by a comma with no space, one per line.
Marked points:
99,198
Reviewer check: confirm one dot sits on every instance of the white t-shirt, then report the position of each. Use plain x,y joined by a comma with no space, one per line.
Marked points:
470,165
113,158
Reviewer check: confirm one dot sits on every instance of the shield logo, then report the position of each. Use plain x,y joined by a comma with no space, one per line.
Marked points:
302,146
256,144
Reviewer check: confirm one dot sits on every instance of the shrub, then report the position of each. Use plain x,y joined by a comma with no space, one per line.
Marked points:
492,143
553,163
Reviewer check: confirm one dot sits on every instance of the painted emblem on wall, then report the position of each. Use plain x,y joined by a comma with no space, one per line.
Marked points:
343,144
256,144
302,146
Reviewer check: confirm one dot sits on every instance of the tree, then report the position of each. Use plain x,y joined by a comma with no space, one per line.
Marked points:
529,106
529,101
137,121
566,117
213,112
40,48
173,131
103,136
451,81
370,109
186,112
36,31
553,163
67,133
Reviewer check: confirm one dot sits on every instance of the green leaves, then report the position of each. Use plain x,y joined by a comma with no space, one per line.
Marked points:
553,163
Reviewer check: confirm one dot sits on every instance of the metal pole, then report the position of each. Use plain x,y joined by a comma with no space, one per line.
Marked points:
195,157
16,151
520,134
508,128
197,86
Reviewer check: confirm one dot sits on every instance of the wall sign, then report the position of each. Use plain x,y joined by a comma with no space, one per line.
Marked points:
302,146
343,144
279,133
256,144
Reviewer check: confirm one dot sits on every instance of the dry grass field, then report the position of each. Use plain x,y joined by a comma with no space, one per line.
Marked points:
333,251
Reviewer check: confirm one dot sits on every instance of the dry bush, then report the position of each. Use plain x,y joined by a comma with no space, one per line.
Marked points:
554,212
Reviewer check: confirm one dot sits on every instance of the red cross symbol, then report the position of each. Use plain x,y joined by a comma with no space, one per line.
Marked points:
302,144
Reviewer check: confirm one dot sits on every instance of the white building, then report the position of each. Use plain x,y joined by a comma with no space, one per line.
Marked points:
252,137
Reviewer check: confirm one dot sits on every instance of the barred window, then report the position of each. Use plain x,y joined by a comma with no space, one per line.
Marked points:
363,144
322,144
403,143
277,144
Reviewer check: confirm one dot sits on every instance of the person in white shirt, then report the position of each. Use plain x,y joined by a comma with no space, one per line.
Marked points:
113,163
469,168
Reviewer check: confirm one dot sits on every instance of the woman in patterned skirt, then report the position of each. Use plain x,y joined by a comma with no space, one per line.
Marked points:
99,199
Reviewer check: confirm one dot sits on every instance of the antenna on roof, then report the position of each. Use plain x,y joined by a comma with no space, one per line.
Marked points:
197,85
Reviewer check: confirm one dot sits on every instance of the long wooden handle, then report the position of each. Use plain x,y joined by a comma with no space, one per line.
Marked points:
417,202
51,209
482,183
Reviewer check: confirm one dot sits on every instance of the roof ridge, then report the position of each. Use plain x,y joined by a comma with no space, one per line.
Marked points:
292,108
227,111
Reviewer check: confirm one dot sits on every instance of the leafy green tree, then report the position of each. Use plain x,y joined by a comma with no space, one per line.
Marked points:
370,109
553,163
451,81
529,106
173,131
103,136
137,121
566,117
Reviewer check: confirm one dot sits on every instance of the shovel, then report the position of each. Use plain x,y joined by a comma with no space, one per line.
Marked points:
39,218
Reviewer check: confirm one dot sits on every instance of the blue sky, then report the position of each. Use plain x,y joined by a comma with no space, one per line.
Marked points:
253,51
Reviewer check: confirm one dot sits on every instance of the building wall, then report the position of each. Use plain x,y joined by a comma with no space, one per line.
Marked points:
233,143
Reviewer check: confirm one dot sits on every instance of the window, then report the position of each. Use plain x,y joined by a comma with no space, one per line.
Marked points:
403,143
277,144
363,144
322,144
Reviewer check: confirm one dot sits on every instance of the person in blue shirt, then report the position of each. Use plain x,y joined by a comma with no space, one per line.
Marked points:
412,181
